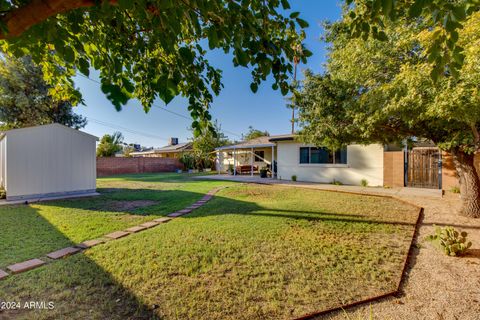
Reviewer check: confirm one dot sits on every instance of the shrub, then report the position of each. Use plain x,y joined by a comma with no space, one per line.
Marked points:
336,182
3,193
230,168
294,178
364,183
455,189
452,242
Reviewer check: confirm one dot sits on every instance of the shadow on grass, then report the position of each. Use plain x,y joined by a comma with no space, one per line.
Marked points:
77,286
82,289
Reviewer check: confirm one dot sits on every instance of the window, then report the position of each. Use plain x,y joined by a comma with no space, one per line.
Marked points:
312,155
259,156
304,155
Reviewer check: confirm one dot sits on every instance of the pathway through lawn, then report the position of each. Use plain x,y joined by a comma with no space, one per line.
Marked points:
252,252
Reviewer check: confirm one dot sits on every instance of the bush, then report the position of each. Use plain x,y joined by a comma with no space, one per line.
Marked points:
3,193
364,183
294,178
455,189
336,182
452,242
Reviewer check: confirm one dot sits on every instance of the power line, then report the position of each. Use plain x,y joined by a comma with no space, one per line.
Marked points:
114,126
165,109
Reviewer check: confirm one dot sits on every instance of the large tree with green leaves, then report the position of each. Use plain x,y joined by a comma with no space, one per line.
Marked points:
204,145
381,91
25,100
254,133
443,19
146,49
110,144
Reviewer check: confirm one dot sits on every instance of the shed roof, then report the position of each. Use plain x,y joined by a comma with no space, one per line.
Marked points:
51,125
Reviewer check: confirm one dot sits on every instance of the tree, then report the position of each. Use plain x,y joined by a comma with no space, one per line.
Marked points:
25,100
380,91
444,20
204,145
146,49
110,144
254,133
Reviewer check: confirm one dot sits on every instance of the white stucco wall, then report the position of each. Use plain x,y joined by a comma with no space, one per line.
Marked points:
363,162
49,160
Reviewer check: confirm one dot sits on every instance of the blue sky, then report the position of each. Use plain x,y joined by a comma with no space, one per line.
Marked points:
236,107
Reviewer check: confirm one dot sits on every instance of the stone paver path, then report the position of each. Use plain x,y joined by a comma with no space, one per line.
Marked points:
117,235
3,274
89,243
65,252
25,266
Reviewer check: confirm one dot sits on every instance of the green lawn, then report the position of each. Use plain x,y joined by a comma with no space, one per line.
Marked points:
254,251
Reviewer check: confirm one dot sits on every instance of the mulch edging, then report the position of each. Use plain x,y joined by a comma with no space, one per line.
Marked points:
68,251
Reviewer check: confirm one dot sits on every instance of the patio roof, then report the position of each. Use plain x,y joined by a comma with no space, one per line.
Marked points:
260,142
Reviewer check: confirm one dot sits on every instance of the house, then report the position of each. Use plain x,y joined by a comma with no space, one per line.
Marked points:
375,164
47,161
307,162
172,150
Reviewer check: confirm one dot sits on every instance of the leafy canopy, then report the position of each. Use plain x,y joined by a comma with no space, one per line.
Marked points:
380,91
444,19
148,49
110,144
254,133
25,100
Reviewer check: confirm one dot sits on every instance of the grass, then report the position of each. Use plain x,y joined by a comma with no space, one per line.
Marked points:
254,251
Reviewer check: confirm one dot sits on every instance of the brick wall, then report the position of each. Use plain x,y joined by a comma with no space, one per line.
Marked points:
111,165
393,169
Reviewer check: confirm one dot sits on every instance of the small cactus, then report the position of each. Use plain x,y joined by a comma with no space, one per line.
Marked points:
452,242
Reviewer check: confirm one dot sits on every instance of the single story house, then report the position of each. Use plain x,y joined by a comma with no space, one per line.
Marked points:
172,150
47,161
286,158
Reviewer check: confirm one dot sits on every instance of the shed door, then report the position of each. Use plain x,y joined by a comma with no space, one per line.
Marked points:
424,168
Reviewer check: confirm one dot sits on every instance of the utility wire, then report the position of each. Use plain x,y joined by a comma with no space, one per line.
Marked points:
165,109
114,126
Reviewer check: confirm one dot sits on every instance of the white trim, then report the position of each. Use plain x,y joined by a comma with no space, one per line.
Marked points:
265,145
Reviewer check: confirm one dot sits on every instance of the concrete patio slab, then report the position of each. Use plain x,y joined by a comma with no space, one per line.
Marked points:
150,224
117,234
89,243
136,229
26,265
3,274
400,192
63,253
162,220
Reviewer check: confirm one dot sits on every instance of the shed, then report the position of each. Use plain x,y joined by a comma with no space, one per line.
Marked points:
47,161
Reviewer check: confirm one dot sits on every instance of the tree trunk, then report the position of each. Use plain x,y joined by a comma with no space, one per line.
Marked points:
21,19
469,183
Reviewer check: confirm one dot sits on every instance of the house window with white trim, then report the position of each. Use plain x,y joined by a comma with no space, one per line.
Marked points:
314,155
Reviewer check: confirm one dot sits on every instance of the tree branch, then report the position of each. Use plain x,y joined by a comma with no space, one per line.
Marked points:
23,18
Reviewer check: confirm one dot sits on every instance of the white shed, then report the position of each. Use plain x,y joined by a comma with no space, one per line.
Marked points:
47,161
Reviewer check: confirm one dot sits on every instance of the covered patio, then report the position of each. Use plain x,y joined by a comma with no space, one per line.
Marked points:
247,158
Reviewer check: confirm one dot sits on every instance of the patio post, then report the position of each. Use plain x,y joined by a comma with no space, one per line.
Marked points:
273,162
234,162
251,163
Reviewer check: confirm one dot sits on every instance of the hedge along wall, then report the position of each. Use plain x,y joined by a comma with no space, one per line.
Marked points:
107,166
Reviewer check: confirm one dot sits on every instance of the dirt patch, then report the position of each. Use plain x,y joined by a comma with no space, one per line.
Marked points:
126,206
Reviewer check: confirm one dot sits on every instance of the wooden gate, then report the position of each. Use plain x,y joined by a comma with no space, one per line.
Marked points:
424,168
